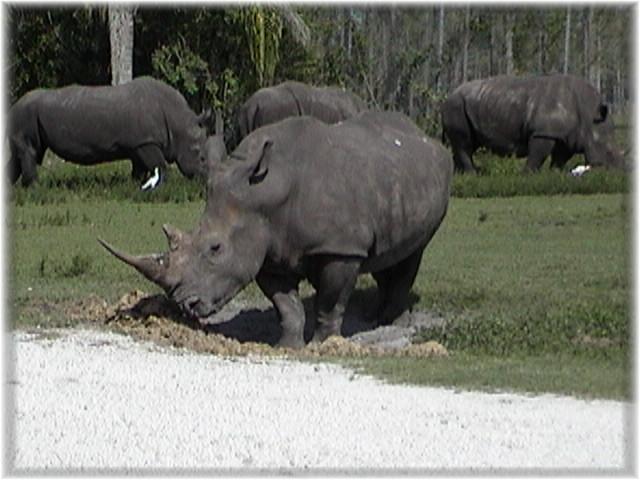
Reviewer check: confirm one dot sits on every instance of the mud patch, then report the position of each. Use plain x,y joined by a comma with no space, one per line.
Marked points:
252,331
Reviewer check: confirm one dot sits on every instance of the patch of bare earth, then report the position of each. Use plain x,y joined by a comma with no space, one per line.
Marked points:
245,332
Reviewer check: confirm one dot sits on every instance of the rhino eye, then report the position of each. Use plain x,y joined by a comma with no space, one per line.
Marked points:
214,249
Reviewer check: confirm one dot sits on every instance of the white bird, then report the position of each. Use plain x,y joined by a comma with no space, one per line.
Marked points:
580,170
153,180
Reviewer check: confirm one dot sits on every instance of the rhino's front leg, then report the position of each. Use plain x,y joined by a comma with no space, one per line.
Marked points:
283,293
334,279
539,149
138,170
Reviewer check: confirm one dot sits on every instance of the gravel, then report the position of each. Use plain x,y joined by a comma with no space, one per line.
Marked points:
91,401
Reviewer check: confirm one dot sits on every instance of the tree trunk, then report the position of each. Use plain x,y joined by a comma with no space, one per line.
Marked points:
492,47
426,42
542,40
617,97
567,41
586,43
440,46
349,34
510,20
385,40
372,34
121,40
465,51
597,70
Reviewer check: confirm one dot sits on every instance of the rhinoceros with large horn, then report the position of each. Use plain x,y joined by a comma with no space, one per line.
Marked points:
144,120
303,199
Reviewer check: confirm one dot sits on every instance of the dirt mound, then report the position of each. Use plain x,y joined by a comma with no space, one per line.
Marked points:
156,318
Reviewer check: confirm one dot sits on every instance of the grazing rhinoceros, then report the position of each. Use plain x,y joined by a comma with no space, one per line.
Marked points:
303,199
144,120
293,99
535,116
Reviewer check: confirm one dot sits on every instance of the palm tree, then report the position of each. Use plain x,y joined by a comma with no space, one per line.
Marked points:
121,39
263,26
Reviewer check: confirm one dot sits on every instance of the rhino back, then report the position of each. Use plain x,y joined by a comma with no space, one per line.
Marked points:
90,124
266,106
497,111
373,187
329,104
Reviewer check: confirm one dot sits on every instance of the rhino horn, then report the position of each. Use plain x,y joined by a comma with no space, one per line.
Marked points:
149,265
204,117
174,236
219,123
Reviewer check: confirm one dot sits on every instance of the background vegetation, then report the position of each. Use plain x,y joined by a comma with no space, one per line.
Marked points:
394,57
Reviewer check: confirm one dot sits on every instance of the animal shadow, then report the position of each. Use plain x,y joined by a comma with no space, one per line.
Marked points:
263,326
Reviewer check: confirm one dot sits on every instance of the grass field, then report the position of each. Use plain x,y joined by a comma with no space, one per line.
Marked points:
535,289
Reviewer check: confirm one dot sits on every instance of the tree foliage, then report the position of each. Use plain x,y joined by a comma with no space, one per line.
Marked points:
395,57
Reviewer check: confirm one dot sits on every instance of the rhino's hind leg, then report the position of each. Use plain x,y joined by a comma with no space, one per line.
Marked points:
334,279
148,158
283,293
14,168
560,155
29,162
394,285
463,160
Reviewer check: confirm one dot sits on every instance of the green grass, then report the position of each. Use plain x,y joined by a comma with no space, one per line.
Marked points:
530,274
534,290
62,182
560,373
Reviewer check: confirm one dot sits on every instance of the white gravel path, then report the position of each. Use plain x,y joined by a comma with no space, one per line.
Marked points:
100,402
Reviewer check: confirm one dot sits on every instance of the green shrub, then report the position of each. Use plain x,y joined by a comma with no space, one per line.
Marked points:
577,328
546,182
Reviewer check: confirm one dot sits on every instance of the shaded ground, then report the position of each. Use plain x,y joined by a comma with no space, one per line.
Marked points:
247,331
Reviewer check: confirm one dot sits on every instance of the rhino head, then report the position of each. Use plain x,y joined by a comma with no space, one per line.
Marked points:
189,142
601,150
204,269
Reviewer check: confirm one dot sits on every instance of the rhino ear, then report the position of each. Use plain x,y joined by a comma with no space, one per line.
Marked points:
204,117
258,162
601,114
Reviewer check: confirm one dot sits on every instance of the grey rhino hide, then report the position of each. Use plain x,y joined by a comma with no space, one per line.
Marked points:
215,150
144,120
290,99
302,199
533,116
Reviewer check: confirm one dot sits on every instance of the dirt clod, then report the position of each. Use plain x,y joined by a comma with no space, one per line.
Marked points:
156,318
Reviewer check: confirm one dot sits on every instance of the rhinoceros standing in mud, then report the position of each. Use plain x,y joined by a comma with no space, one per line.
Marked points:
534,116
293,99
303,199
144,120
